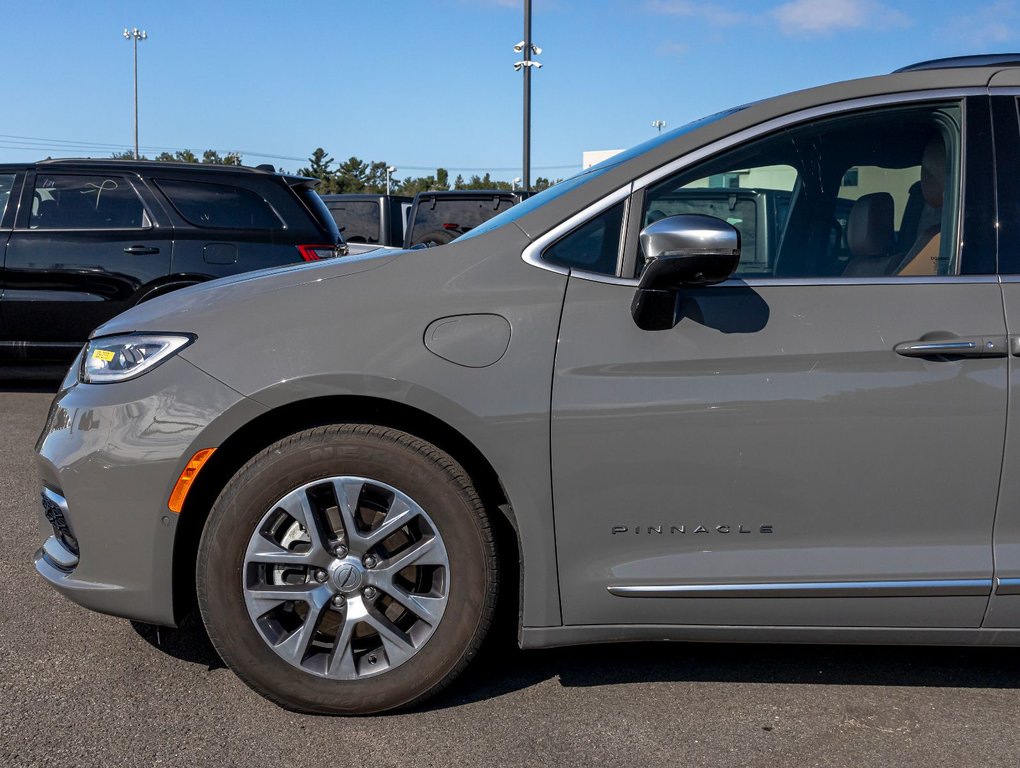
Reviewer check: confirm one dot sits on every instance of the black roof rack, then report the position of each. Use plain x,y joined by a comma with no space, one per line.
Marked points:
175,164
955,62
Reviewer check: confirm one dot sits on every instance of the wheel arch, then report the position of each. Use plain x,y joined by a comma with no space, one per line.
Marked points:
268,427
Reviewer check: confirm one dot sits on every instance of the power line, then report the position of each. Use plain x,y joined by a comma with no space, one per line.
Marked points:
10,141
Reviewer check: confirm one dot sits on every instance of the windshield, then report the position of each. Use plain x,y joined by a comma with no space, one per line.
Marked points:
533,202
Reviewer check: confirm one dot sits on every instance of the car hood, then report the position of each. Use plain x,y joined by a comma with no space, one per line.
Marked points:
172,311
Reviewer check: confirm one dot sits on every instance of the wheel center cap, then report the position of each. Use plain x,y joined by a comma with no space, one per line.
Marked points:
347,577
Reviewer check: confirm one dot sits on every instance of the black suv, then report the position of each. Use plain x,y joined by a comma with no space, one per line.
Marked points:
83,240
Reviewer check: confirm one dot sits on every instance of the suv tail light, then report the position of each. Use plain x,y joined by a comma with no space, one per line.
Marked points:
319,252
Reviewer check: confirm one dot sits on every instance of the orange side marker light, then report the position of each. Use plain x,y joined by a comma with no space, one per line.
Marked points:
187,477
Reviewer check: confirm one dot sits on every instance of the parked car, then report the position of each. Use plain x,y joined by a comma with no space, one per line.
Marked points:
369,221
348,463
86,239
437,218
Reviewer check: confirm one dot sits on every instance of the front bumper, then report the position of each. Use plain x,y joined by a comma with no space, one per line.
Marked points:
108,459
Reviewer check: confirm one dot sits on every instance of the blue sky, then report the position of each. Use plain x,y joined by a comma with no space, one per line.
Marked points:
431,83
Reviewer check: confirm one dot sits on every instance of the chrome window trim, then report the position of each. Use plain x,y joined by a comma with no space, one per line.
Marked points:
58,230
785,282
533,252
906,588
804,115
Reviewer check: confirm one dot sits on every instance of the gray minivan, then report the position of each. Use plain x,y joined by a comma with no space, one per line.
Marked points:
595,414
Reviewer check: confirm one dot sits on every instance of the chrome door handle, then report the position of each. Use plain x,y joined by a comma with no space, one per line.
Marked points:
970,346
141,250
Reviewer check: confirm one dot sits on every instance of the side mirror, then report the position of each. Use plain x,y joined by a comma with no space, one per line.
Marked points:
687,250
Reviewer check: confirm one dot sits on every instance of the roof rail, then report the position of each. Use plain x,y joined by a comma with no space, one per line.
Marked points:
130,161
955,62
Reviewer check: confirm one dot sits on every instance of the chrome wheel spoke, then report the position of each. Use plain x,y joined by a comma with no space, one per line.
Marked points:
296,505
266,551
427,608
399,515
274,594
425,552
348,491
294,648
398,646
341,662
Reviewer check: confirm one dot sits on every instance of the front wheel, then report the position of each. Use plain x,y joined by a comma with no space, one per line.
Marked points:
347,569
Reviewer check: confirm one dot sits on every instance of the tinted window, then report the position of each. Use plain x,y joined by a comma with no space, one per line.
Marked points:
219,206
318,209
6,182
593,247
358,219
865,195
85,202
455,215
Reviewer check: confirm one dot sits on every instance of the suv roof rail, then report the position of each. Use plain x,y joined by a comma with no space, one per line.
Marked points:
955,62
147,163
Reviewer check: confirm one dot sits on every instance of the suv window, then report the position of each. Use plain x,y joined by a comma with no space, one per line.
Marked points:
359,219
85,202
866,195
593,247
457,215
6,183
219,206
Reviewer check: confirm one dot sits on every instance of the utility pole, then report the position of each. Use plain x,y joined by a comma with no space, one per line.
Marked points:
135,35
527,48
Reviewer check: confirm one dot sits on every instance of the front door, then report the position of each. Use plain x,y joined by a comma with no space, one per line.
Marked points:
816,443
82,247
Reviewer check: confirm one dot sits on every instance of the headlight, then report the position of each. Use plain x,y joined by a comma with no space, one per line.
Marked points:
119,358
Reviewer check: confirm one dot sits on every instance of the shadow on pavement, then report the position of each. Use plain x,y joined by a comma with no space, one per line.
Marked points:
502,668
626,663
188,642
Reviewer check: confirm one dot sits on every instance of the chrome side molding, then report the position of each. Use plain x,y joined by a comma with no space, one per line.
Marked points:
932,588
1007,586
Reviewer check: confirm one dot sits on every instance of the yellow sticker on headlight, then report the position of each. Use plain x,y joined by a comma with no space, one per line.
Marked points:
103,354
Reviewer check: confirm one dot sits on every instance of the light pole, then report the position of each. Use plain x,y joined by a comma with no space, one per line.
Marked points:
135,35
660,124
527,48
514,183
389,170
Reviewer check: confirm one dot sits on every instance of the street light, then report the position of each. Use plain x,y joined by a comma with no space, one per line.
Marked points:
527,48
389,170
135,35
514,183
660,124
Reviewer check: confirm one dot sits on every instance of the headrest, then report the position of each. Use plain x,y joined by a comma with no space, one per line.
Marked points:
933,171
869,231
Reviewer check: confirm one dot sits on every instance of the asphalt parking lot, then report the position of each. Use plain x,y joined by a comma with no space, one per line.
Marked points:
81,689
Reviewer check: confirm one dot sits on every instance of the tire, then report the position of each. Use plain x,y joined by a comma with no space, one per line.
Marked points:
435,237
357,482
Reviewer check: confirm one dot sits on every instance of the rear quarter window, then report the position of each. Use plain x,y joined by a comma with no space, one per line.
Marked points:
219,206
6,183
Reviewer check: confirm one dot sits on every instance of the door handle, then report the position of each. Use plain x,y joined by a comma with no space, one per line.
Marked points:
141,250
955,346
